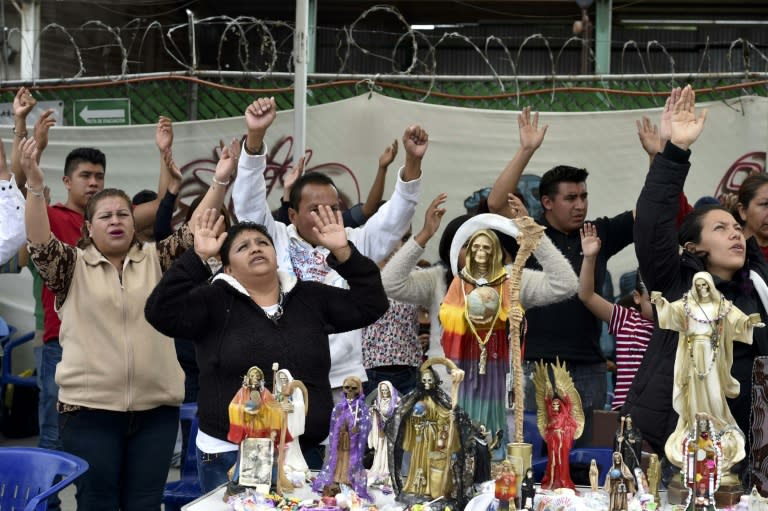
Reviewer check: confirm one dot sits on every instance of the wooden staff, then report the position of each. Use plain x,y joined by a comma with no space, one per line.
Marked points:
528,239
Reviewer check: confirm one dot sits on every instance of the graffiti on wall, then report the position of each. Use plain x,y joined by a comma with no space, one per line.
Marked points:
197,175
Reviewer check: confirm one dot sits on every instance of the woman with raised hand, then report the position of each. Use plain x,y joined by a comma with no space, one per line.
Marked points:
120,385
712,241
252,314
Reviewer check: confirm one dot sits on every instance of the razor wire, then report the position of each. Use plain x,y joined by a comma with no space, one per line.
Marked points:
253,57
259,47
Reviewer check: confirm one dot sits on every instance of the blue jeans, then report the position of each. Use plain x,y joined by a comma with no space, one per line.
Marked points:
212,468
129,454
46,358
590,382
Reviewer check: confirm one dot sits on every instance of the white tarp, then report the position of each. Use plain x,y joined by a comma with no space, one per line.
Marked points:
467,150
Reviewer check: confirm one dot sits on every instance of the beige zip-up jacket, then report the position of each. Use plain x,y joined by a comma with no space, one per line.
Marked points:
112,359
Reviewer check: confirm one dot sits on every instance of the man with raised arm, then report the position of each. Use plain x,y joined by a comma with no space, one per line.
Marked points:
567,329
297,249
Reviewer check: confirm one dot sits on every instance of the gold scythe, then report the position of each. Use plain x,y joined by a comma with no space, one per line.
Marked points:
287,391
457,376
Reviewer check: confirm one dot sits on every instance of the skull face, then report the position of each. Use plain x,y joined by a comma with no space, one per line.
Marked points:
481,249
556,405
384,391
351,388
254,377
702,287
428,380
282,381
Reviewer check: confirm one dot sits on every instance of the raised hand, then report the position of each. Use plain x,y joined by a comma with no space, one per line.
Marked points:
729,200
415,141
432,219
170,165
260,114
228,161
29,163
590,242
329,231
23,103
531,136
208,229
516,207
685,125
164,134
665,129
42,125
649,136
290,177
388,156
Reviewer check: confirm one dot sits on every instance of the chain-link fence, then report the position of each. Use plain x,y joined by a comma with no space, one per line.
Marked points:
186,97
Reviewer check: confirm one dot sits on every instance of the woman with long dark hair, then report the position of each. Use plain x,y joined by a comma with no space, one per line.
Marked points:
712,241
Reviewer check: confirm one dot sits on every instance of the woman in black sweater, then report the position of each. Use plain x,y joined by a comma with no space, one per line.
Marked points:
252,315
712,241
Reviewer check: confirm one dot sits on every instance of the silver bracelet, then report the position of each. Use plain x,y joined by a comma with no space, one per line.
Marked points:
221,183
36,193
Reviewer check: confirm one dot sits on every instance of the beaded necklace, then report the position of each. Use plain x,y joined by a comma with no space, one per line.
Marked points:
716,326
689,472
482,342
355,413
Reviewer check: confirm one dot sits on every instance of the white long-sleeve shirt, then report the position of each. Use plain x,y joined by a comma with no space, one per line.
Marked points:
376,240
12,231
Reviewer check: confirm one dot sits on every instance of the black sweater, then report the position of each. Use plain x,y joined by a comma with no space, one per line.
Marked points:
232,333
649,400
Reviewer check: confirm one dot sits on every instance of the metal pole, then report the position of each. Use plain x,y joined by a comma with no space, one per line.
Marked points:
312,36
30,33
329,77
603,22
300,79
193,88
585,24
4,28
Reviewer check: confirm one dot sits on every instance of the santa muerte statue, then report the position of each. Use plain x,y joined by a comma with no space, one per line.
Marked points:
560,419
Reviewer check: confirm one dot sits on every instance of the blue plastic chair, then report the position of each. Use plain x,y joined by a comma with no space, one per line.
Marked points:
27,475
186,489
9,344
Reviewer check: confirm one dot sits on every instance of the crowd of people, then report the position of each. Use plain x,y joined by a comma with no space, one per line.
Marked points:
306,289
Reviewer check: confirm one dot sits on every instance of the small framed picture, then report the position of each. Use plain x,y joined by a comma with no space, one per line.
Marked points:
256,456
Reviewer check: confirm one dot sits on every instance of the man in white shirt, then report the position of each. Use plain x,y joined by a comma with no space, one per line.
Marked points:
297,250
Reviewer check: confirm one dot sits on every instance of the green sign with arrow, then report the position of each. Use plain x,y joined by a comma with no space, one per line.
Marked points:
102,112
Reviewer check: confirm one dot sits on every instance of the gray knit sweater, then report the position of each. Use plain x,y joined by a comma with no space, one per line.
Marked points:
427,287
